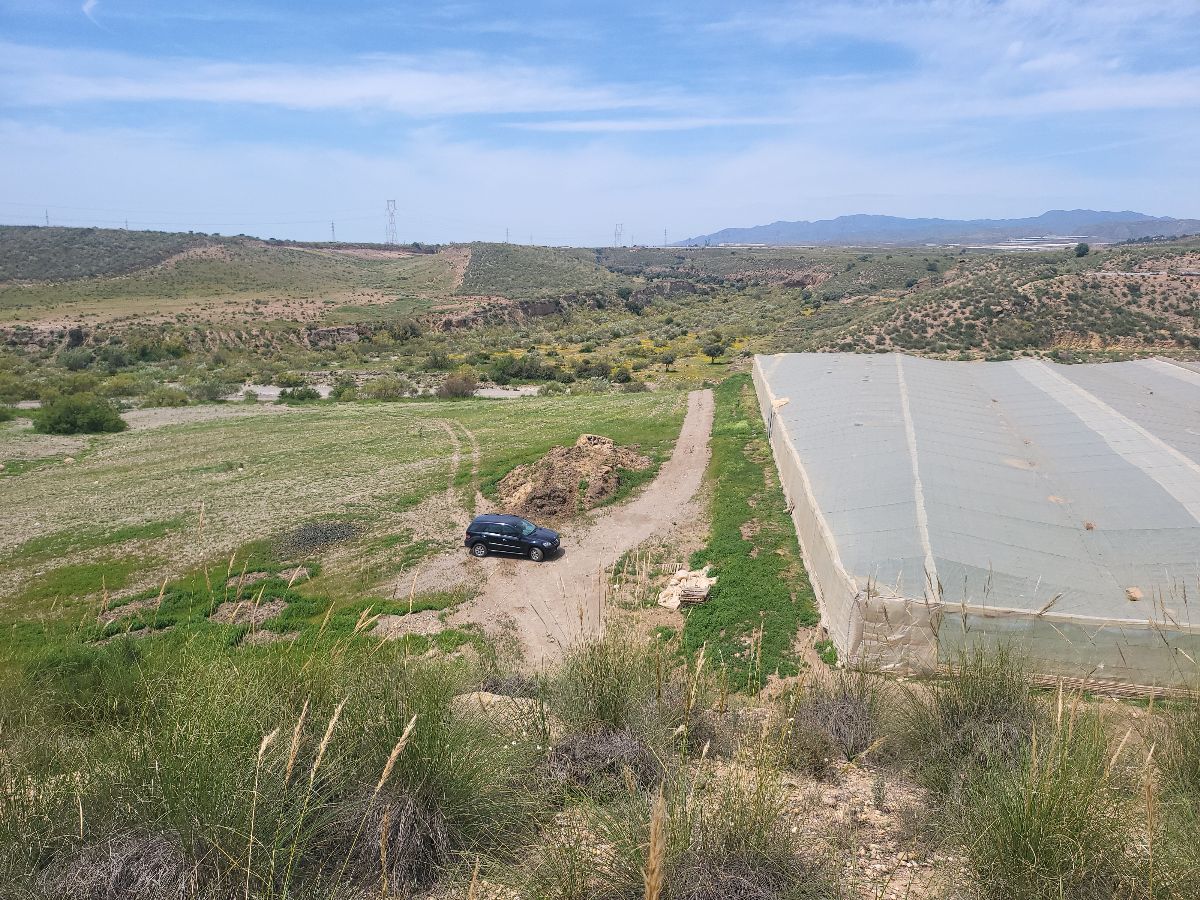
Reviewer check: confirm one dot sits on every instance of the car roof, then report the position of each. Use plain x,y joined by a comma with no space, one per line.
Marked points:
497,517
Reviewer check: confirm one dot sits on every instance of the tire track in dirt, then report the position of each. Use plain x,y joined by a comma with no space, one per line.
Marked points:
553,604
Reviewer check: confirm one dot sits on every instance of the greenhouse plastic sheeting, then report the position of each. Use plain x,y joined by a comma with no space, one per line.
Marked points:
946,504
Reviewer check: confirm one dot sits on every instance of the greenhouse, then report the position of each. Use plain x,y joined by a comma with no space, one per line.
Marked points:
1055,508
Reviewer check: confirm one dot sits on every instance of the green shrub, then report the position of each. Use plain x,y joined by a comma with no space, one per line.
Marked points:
165,396
289,380
386,387
76,359
979,718
261,774
7,413
344,389
211,390
298,395
79,414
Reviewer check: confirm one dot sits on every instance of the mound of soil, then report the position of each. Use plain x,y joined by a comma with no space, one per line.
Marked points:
568,480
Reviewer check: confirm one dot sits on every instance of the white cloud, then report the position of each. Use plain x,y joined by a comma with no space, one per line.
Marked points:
434,86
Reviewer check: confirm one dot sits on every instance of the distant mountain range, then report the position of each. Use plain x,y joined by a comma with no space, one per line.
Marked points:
1086,224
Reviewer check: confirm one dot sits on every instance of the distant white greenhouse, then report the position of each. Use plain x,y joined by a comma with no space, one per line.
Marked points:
942,504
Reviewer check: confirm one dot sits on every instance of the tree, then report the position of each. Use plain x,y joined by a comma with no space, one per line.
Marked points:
1082,249
714,349
79,414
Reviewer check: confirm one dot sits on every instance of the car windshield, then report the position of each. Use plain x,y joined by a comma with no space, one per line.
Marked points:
527,528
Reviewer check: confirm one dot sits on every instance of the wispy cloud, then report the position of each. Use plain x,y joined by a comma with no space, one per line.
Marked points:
669,123
433,86
89,7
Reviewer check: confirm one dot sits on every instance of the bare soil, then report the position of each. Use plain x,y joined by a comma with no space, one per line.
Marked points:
549,605
246,612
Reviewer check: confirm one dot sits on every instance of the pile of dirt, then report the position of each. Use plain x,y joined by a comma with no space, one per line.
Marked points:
568,480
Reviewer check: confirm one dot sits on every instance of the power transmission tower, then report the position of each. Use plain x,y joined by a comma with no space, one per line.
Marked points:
391,226
332,234
506,235
664,237
618,231
47,218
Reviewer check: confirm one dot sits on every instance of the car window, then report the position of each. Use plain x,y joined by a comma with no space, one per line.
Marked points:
527,528
507,530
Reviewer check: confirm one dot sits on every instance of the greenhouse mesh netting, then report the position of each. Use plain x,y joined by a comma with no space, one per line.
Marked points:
944,504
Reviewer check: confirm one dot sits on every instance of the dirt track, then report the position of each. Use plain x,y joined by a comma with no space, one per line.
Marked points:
554,603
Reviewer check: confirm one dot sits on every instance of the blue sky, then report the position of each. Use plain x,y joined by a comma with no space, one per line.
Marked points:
557,120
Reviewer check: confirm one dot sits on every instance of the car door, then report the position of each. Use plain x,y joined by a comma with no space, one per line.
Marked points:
508,538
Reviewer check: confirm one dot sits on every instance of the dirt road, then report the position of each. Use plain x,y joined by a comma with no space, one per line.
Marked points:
554,603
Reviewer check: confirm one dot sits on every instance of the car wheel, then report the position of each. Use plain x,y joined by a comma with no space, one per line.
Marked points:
536,554
479,550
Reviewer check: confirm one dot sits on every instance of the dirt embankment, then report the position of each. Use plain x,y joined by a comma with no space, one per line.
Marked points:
568,480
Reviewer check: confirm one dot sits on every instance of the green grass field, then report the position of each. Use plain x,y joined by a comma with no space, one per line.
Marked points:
224,281
166,502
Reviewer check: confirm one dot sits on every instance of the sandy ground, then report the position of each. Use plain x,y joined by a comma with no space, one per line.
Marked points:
503,393
140,419
552,604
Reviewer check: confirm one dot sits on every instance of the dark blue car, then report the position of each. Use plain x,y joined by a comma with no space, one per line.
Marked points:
495,533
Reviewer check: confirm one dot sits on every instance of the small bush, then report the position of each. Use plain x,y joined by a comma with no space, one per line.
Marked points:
79,414
7,413
289,380
344,389
165,397
460,384
980,717
848,709
298,395
211,390
551,389
75,359
387,387
586,758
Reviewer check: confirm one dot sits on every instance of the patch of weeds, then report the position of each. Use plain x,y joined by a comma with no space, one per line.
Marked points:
827,652
980,718
847,710
60,543
587,758
79,580
1055,824
15,467
760,598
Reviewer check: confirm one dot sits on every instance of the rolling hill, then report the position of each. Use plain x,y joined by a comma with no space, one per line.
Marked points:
861,230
